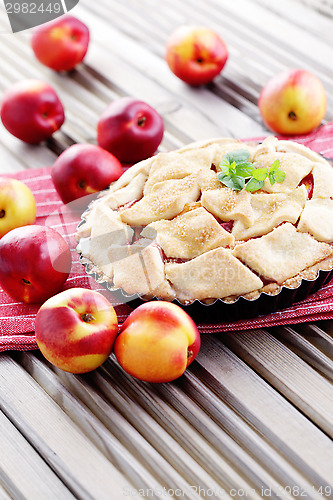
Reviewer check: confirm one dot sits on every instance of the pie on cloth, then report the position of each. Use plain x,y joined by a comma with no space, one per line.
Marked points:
18,319
170,229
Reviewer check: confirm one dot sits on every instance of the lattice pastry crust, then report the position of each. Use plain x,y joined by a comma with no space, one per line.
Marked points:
168,228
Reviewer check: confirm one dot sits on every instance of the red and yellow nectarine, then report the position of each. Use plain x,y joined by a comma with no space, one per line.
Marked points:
157,342
61,44
17,205
130,129
75,329
293,102
84,169
35,262
32,111
196,54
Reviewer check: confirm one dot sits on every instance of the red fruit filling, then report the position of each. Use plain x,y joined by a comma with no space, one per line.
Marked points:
308,183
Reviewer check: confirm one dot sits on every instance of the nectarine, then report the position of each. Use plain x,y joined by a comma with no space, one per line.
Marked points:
157,342
75,329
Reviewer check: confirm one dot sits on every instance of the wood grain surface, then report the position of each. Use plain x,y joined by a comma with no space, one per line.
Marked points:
252,417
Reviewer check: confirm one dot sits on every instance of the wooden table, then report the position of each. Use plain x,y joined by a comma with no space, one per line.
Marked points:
252,418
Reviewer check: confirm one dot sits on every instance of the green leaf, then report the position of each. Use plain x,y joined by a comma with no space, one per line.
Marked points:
238,156
244,169
254,185
224,164
260,174
224,169
279,175
221,176
238,182
235,168
224,161
232,168
271,177
275,165
232,181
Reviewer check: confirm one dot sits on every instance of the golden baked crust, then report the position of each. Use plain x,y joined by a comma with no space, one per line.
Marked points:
189,234
270,210
282,253
216,273
169,228
317,219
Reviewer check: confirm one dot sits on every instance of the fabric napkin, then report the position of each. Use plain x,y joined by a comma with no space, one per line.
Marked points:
17,319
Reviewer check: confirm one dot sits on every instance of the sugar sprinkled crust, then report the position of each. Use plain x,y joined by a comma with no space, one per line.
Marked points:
282,253
169,228
189,235
216,273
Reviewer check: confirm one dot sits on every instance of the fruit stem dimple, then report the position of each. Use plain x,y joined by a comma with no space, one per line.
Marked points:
26,282
141,121
82,184
87,317
200,60
2,213
292,115
189,356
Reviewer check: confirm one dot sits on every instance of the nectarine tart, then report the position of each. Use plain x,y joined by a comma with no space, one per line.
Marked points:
215,222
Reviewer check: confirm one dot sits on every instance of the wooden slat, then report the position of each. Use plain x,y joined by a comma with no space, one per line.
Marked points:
277,471
325,330
16,156
320,335
122,392
310,392
135,394
323,6
81,466
252,39
210,106
254,410
301,344
193,467
4,495
310,20
260,405
23,472
155,411
213,428
135,458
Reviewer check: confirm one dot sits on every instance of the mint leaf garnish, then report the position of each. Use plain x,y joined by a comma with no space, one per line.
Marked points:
225,169
260,174
232,181
271,177
244,169
235,169
238,156
279,175
275,166
253,185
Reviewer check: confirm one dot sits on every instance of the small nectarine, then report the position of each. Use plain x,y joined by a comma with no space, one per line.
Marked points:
75,329
157,342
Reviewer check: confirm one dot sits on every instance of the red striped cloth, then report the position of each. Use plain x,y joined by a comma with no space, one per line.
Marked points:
17,319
